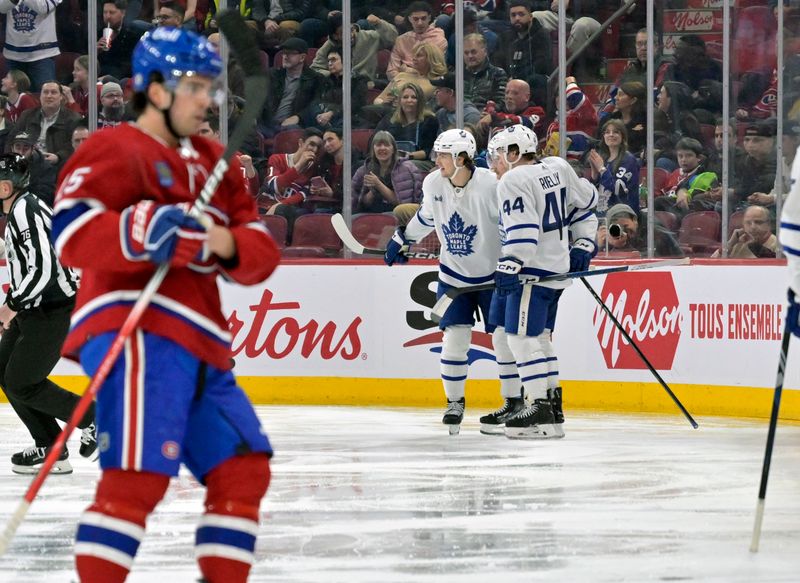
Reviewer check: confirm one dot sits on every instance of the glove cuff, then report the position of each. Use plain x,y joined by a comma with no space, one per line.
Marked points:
509,264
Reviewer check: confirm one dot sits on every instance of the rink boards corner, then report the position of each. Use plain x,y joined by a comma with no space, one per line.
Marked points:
359,333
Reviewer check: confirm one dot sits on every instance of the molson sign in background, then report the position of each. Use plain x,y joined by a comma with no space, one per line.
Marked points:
356,333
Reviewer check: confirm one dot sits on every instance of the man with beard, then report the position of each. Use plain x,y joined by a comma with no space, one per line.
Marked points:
113,107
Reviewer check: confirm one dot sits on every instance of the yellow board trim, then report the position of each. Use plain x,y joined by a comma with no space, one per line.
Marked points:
484,394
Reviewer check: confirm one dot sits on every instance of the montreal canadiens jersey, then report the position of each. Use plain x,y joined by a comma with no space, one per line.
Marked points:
541,206
116,169
466,223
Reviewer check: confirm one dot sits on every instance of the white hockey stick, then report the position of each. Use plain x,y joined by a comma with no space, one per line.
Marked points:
232,26
349,240
444,302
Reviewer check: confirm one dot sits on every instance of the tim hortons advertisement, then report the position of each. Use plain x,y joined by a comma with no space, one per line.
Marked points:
708,324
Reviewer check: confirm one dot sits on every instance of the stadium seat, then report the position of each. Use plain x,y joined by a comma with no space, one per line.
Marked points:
383,62
315,230
668,220
277,60
64,65
707,130
659,178
264,58
735,221
372,94
700,232
285,142
278,227
374,229
360,140
429,244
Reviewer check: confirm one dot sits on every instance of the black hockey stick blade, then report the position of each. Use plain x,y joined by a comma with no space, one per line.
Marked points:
349,240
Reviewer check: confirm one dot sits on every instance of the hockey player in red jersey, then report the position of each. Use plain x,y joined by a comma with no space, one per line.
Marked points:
171,399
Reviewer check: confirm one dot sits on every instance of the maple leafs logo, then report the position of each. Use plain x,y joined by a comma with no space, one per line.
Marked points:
24,19
458,236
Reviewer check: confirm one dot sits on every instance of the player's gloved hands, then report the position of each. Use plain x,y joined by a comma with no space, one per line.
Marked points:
395,250
163,234
793,314
506,277
581,254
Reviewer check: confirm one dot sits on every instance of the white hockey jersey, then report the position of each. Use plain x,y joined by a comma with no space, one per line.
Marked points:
466,223
30,29
789,234
541,206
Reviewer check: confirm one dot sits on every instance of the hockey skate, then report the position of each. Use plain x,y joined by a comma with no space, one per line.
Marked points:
31,459
89,442
535,422
554,395
493,423
454,415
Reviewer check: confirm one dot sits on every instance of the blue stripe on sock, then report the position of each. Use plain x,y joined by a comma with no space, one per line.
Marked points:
225,536
88,533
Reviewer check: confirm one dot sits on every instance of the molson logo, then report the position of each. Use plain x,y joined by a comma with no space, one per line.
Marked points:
271,329
691,21
646,304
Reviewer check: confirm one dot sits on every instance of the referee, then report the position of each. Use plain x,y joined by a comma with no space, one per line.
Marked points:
34,321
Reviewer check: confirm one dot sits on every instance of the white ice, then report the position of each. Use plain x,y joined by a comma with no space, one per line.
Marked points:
366,495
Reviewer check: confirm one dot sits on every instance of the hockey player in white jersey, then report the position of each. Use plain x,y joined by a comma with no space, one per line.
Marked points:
789,236
543,204
460,202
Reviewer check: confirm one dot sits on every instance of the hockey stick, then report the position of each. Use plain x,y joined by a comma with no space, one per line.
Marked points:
773,425
349,240
232,26
630,341
444,302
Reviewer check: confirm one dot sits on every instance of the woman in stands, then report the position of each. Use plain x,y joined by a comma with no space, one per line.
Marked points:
428,64
413,126
676,103
615,171
631,108
386,180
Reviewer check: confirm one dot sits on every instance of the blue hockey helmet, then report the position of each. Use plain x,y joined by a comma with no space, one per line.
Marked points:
173,52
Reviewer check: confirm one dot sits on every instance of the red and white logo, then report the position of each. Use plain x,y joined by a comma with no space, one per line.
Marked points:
646,304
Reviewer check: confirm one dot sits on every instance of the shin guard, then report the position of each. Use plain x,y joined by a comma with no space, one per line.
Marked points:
226,536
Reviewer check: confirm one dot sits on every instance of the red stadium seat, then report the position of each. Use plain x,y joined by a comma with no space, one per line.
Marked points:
277,60
316,231
700,231
707,130
64,65
735,221
285,142
360,140
383,62
278,227
264,58
668,220
374,229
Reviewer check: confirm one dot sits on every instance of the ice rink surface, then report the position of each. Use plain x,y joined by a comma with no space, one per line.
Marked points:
386,495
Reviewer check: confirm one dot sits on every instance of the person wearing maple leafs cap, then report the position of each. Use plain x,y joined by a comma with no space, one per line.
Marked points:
459,202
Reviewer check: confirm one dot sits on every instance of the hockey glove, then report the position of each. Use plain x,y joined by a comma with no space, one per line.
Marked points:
162,234
793,314
395,250
581,254
506,278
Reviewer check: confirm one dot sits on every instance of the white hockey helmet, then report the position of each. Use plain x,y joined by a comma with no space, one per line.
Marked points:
454,142
517,135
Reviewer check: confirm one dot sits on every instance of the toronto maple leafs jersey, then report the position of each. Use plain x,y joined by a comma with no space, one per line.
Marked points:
541,206
789,233
466,223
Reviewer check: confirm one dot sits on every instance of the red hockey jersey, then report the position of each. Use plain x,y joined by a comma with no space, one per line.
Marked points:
117,168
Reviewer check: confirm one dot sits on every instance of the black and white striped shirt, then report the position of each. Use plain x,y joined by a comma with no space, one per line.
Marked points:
37,277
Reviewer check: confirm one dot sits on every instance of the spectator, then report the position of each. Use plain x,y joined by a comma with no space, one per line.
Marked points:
692,65
754,240
471,25
280,20
402,58
327,111
77,94
293,88
252,142
688,179
385,179
43,174
633,234
581,124
365,45
428,64
580,29
445,94
15,87
286,187
631,108
174,14
327,192
755,176
210,129
51,125
614,169
112,111
79,135
675,103
31,44
515,108
413,127
757,100
235,72
636,70
115,58
526,50
482,81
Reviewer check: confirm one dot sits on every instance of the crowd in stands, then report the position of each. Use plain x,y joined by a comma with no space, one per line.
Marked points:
404,94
